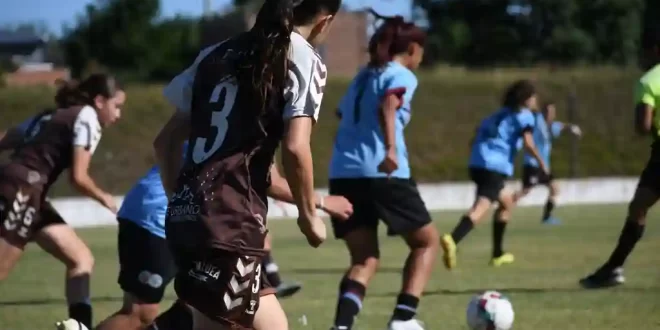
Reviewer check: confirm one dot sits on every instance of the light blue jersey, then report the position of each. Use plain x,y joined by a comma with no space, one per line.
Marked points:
146,203
498,140
543,136
360,144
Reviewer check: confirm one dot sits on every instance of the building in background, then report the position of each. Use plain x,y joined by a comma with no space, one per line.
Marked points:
344,51
23,60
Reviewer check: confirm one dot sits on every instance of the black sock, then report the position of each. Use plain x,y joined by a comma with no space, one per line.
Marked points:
272,270
499,227
81,312
462,229
406,307
349,304
547,210
632,232
177,317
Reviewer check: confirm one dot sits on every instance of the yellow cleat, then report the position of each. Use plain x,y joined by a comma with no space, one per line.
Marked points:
449,247
504,259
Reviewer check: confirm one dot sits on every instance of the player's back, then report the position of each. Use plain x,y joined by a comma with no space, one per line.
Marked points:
233,142
497,140
48,146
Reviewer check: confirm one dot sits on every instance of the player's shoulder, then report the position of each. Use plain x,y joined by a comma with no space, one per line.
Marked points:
302,54
83,116
651,77
399,72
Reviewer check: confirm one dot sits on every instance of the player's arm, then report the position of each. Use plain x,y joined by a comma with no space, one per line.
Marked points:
558,127
168,147
279,189
526,124
387,119
644,108
86,137
643,118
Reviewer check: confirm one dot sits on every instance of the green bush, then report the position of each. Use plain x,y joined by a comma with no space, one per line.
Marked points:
447,106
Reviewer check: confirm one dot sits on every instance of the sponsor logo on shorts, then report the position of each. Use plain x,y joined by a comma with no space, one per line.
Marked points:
151,279
20,216
202,271
182,206
533,179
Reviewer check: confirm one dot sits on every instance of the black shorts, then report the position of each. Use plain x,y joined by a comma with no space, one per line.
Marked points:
533,176
146,264
650,177
395,201
489,183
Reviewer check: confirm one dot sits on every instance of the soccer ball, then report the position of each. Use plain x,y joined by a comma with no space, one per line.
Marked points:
70,324
490,311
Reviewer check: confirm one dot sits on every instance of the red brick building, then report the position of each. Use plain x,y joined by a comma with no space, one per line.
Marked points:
344,51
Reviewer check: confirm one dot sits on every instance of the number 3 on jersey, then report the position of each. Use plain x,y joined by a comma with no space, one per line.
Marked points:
218,120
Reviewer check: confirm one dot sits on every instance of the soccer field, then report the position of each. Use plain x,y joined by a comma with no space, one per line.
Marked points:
542,283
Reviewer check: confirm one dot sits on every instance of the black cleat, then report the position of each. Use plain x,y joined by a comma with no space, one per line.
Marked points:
287,289
603,278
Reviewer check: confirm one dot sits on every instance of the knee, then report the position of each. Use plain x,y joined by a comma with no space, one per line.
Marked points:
637,213
143,314
4,272
363,268
426,238
82,264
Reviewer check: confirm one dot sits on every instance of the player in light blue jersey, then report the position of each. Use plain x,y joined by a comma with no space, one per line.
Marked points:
147,266
370,167
494,148
546,129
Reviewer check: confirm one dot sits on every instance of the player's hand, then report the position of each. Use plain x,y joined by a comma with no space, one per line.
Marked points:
390,163
314,230
576,130
337,207
544,168
108,201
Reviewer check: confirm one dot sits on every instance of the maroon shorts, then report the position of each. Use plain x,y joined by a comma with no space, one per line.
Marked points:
20,210
224,286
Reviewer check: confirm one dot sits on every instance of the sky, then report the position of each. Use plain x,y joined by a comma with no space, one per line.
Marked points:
56,13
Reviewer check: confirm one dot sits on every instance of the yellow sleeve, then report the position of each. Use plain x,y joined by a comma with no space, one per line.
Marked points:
644,94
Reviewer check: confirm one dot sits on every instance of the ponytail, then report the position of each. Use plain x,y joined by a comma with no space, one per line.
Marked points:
72,93
266,52
393,37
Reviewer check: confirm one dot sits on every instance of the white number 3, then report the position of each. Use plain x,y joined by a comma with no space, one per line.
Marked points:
218,120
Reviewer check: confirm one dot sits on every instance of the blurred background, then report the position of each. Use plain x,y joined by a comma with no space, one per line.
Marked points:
583,54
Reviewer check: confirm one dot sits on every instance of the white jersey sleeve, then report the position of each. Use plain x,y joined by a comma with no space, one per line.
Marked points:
179,91
307,79
87,129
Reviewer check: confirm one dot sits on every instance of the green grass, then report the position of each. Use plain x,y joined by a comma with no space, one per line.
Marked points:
541,284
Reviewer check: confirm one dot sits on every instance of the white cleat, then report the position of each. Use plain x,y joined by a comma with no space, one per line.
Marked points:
405,325
70,324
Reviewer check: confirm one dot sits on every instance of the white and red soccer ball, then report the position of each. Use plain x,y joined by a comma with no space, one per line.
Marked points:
490,311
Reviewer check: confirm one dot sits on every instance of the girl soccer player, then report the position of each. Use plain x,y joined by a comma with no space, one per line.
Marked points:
370,167
491,163
647,115
146,264
545,130
44,147
235,104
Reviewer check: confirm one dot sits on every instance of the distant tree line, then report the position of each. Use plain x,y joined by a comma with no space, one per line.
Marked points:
528,32
130,38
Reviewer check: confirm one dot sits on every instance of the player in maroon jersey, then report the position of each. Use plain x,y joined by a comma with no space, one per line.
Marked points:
234,105
45,146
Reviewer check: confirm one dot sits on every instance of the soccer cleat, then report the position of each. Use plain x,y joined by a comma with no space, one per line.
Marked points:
405,325
285,290
603,278
506,258
449,247
70,324
551,221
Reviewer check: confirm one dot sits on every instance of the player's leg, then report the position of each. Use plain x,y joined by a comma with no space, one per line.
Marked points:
646,195
272,271
18,216
529,180
553,193
501,218
61,241
177,317
401,207
270,315
146,268
489,185
360,234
